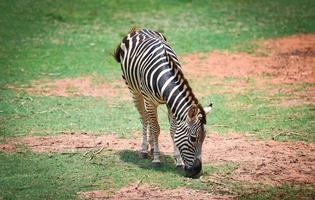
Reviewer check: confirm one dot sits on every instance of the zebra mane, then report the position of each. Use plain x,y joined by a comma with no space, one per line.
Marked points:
185,82
161,35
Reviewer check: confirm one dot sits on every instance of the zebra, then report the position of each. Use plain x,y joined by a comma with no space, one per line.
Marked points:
154,76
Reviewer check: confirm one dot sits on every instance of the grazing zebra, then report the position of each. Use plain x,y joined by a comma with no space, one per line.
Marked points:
154,76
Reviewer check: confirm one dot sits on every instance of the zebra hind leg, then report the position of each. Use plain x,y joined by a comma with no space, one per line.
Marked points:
139,103
154,131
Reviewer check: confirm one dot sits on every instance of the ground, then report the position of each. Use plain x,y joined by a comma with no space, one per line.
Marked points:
69,129
281,70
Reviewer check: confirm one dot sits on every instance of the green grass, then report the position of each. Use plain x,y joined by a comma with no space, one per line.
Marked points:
61,38
56,39
60,176
22,114
256,110
250,114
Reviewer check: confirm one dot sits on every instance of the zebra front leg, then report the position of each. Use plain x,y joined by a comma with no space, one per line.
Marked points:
178,159
144,144
154,133
139,103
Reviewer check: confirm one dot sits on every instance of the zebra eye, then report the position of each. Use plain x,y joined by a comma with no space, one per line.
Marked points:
193,138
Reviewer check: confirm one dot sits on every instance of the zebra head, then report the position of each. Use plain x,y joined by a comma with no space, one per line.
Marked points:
189,137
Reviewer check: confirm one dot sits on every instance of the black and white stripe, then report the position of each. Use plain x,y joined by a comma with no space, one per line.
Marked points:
154,76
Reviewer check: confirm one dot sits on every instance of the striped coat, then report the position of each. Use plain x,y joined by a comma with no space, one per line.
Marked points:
154,76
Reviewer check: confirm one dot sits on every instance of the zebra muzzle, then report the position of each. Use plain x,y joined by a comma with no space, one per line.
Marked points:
194,171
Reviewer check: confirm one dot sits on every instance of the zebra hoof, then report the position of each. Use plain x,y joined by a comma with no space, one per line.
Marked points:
156,164
144,155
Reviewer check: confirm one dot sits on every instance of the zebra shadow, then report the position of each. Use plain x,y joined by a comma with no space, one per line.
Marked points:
167,162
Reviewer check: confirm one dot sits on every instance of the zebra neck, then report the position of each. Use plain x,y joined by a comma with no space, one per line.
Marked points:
179,99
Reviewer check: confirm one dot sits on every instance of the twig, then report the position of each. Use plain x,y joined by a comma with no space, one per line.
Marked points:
94,153
87,152
99,151
65,112
45,111
284,134
30,98
138,183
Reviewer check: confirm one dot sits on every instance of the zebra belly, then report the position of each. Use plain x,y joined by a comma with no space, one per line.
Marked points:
138,86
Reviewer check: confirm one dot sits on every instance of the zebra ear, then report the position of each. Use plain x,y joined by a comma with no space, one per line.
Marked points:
192,112
208,109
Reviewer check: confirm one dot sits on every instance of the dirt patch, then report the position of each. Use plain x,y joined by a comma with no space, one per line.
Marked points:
279,66
75,141
144,192
80,86
81,141
7,147
269,162
290,60
222,64
301,45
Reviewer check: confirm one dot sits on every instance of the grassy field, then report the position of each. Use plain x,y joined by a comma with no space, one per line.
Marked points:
47,40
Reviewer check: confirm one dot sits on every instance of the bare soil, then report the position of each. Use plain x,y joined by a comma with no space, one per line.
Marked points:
288,60
10,147
143,192
71,142
278,66
269,162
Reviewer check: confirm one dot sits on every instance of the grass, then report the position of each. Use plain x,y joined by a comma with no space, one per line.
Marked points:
23,115
247,113
66,39
61,176
46,177
57,39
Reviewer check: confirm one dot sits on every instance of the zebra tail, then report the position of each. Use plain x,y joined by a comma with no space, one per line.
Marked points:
116,53
118,50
